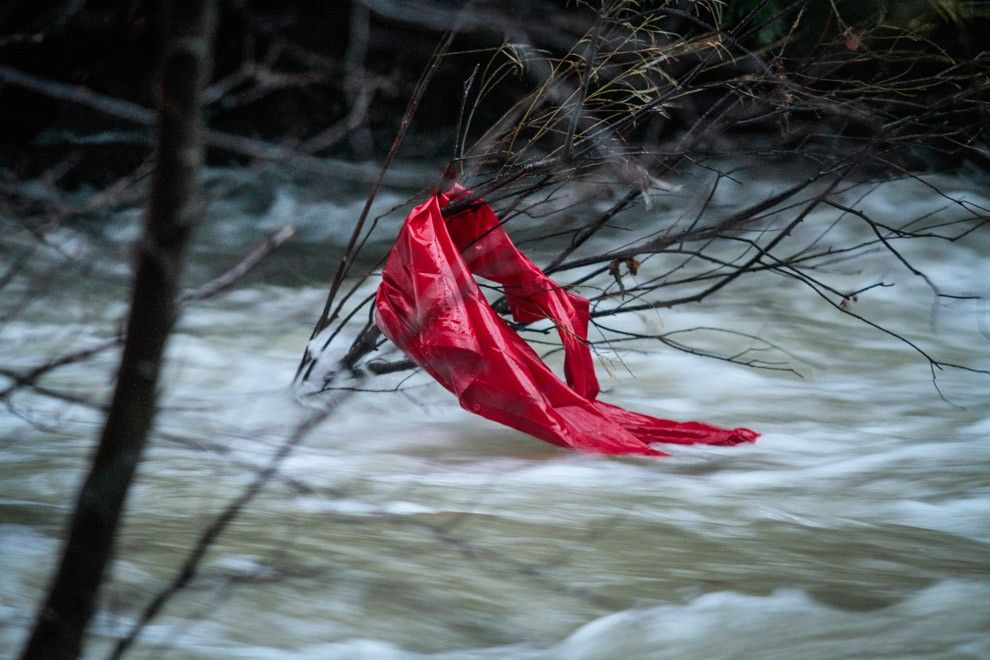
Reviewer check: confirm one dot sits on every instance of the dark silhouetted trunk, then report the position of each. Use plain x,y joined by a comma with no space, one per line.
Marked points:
172,211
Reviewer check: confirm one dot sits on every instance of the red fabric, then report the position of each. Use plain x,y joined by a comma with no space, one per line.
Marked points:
431,307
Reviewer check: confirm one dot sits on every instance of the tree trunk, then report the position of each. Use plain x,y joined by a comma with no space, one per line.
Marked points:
172,211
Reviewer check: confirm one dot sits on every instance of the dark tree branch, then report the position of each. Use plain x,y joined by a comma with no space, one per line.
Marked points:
238,144
172,213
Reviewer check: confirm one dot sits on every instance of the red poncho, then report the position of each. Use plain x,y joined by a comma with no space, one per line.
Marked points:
431,307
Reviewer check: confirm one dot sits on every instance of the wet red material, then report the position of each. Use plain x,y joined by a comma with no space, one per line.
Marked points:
432,308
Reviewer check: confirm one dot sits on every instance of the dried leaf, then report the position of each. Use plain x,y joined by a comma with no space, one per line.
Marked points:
852,39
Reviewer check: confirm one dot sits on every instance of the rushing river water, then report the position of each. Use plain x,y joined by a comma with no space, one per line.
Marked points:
857,526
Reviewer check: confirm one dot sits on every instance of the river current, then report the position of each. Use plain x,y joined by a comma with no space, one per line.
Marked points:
858,525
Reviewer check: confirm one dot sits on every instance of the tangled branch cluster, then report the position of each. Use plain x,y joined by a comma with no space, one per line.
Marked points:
653,92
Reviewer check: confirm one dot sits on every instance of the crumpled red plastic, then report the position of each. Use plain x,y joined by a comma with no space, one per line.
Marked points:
431,307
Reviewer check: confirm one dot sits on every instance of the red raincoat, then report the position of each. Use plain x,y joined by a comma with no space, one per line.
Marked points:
431,307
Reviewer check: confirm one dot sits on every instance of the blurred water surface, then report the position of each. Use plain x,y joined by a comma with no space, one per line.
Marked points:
857,526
